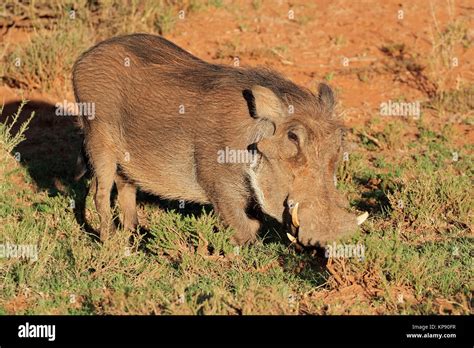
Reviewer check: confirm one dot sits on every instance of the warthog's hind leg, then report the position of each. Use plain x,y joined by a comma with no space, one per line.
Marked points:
127,193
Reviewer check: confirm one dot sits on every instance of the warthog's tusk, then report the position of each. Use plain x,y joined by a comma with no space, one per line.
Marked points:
294,216
291,238
361,218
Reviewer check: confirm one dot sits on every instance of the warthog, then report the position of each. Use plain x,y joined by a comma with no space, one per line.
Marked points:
163,119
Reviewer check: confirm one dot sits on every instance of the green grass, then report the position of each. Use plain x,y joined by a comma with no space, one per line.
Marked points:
186,265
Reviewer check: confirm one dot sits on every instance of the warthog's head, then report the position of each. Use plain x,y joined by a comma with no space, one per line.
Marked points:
299,152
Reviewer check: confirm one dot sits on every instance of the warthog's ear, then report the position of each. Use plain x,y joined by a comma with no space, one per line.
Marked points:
263,103
326,97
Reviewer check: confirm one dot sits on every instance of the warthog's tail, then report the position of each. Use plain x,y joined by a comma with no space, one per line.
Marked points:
81,162
81,167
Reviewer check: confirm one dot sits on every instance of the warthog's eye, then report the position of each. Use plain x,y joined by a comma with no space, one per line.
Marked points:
293,137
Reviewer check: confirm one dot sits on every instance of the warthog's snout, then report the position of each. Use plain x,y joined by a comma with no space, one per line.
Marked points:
309,227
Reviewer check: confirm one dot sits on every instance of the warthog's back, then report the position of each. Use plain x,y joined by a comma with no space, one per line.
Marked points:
129,61
163,112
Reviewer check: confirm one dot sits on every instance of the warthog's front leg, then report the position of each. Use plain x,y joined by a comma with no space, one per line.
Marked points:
231,209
